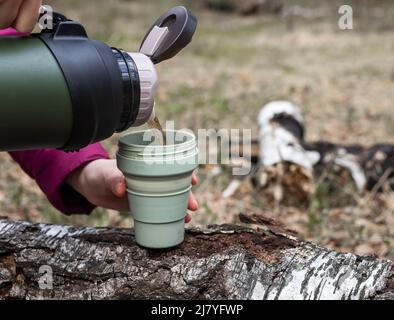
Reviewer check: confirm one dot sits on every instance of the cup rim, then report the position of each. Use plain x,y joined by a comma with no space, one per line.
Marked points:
125,145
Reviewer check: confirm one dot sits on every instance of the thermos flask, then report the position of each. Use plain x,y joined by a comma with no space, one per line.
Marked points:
61,89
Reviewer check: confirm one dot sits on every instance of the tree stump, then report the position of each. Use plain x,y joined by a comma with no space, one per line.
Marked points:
219,262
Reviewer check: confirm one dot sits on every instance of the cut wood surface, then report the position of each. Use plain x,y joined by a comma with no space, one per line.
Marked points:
219,262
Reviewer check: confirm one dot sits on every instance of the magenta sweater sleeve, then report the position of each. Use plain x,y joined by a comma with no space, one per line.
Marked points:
50,169
12,32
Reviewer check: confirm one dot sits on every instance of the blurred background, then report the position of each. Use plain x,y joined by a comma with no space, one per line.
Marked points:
245,54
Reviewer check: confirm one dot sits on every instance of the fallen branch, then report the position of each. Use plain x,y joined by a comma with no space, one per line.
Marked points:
288,170
220,262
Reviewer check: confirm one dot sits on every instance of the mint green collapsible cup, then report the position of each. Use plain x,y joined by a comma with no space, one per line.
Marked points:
158,184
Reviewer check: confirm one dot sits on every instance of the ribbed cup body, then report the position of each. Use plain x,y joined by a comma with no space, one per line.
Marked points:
158,184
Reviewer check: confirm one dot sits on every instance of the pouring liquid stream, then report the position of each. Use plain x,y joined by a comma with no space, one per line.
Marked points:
155,124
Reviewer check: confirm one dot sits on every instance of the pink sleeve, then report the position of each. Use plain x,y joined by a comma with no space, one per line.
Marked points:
12,32
50,169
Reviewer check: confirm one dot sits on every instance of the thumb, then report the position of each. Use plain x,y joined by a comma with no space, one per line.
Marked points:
115,180
118,186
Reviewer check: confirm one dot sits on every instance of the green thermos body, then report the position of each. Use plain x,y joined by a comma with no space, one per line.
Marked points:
61,89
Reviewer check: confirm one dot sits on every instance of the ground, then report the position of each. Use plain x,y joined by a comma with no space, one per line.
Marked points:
342,79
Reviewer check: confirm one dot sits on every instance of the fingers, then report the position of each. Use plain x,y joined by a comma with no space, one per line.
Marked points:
188,218
124,205
112,202
118,187
8,12
115,180
119,204
194,179
193,204
27,16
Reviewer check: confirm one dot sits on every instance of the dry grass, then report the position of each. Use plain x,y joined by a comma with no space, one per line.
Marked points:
343,79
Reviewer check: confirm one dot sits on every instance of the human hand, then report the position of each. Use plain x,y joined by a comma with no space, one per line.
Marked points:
19,14
103,184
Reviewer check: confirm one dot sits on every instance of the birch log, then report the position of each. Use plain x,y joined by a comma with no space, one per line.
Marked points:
220,262
288,170
285,172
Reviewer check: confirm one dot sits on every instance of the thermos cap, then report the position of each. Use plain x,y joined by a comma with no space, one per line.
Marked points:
169,34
